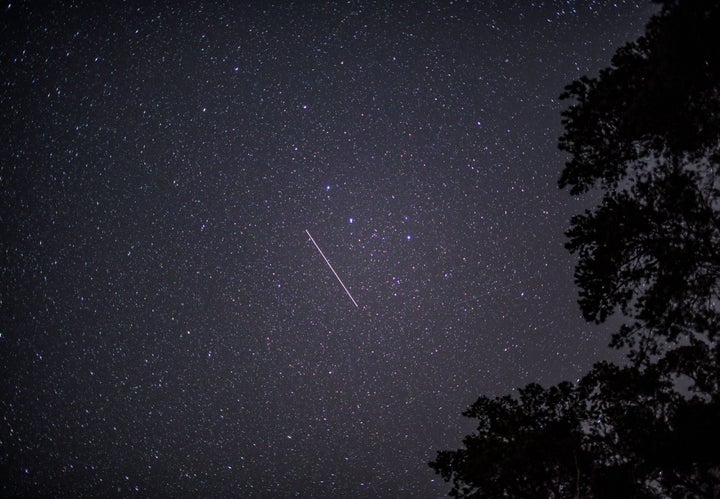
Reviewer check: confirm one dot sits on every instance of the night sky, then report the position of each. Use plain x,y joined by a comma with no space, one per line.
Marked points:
167,327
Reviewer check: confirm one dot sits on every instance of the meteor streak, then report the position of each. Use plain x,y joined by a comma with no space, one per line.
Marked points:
331,267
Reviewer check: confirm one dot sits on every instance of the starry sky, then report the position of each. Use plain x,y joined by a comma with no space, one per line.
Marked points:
166,324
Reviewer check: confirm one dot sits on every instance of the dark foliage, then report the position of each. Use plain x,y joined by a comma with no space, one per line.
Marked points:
523,447
619,432
646,133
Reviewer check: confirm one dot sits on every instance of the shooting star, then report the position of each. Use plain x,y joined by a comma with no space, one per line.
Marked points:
331,268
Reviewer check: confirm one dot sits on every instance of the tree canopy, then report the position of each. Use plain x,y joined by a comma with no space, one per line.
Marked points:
619,432
645,134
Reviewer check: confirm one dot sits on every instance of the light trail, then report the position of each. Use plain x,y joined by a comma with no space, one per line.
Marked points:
331,267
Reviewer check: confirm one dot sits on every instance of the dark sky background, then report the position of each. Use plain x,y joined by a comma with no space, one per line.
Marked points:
167,327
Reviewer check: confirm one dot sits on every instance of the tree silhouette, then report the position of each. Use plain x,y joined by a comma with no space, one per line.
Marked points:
523,447
646,134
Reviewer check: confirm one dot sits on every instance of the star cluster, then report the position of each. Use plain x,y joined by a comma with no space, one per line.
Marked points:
168,328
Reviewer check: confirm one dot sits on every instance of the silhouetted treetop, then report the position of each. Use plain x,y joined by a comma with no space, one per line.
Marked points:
523,447
619,432
646,131
659,99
